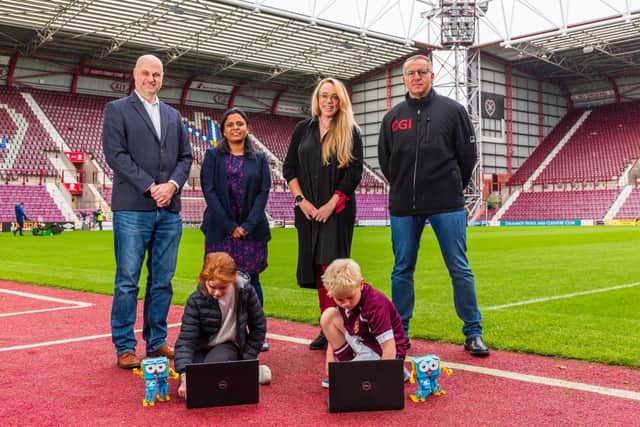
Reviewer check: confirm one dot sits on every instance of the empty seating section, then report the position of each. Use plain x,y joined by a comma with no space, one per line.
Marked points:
280,206
631,207
372,206
561,205
31,157
78,120
368,206
546,146
605,144
274,131
8,129
38,204
193,209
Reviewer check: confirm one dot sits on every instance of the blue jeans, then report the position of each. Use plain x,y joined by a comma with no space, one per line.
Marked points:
156,233
451,231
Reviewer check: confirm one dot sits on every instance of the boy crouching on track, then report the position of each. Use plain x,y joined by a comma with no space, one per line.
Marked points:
365,325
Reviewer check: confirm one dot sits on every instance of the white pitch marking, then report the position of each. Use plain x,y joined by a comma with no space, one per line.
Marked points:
73,304
516,376
571,295
68,340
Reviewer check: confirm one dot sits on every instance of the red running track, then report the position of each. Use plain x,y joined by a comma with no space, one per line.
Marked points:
59,369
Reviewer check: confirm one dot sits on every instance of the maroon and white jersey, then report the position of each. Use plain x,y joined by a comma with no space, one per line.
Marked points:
375,320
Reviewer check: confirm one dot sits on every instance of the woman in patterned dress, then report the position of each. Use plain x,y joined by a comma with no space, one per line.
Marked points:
235,180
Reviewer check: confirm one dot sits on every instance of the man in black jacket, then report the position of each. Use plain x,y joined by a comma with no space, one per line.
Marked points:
427,152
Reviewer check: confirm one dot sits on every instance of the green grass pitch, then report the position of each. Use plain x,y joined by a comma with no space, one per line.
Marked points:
570,292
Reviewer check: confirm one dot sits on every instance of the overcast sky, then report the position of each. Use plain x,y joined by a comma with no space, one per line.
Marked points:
504,18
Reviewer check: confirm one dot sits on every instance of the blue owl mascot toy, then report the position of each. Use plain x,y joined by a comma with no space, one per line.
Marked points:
425,371
156,373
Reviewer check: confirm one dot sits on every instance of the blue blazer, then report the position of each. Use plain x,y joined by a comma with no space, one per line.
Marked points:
139,158
218,221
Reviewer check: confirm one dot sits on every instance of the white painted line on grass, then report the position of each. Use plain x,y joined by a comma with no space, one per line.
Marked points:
571,295
71,303
515,376
68,340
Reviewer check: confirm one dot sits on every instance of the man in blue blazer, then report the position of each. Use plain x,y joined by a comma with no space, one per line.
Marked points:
148,149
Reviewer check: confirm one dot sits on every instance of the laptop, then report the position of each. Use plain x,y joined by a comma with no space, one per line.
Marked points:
371,385
222,383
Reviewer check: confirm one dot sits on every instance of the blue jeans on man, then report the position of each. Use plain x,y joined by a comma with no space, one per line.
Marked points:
156,233
450,230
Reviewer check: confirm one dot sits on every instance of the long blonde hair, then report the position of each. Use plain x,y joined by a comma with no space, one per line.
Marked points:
338,141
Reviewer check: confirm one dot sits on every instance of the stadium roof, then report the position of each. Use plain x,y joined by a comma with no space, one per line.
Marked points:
215,39
581,53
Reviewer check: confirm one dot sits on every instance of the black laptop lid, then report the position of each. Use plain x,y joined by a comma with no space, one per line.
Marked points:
366,385
222,383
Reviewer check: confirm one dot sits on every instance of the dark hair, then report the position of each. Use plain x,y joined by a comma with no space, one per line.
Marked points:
249,151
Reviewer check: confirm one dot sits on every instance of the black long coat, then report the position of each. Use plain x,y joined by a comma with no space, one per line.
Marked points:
321,243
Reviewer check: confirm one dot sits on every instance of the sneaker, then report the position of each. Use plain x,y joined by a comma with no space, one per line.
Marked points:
265,347
264,375
319,343
325,382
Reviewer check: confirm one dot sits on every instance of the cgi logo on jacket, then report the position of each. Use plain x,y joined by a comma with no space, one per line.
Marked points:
401,124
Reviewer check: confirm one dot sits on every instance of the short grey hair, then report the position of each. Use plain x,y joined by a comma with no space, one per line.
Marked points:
424,58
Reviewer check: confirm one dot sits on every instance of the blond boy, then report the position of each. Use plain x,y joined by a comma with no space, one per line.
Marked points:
365,325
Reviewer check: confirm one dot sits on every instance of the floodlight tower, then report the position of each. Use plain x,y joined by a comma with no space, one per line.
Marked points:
459,70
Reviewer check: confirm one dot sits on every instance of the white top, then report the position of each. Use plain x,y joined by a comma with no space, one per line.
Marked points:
153,110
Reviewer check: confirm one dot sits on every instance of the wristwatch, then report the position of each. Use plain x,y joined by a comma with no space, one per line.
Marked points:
299,198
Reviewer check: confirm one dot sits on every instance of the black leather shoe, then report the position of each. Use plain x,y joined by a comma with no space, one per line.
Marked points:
320,343
476,347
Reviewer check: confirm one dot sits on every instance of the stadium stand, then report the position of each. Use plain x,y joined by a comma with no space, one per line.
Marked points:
601,149
542,151
631,207
26,152
591,162
78,120
561,205
38,203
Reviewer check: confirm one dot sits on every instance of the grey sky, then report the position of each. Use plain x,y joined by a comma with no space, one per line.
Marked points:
504,18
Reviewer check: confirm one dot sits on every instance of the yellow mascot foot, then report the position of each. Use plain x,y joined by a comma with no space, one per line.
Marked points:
415,399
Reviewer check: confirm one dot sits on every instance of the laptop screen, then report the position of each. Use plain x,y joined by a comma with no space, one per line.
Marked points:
366,385
222,383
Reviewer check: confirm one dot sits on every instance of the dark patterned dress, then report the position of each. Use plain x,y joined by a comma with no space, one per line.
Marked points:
249,255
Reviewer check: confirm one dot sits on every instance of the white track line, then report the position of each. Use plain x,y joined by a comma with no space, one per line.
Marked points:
571,295
68,340
515,376
72,304
627,394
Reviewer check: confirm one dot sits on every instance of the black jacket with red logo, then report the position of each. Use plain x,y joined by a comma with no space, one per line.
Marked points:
427,152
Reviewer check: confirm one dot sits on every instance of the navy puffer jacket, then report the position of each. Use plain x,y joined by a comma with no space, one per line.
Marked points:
202,319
